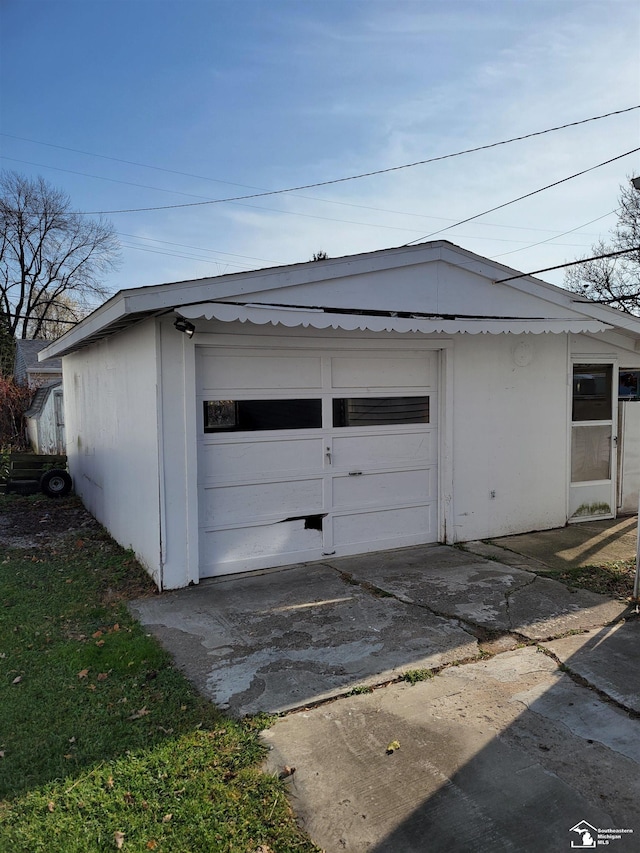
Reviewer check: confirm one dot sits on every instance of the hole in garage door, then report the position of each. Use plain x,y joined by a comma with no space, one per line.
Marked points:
311,522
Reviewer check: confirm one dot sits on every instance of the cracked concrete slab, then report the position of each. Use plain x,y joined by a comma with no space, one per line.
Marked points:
505,754
547,608
289,638
485,593
606,658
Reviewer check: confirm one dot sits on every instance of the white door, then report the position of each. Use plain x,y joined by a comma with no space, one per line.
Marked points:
306,454
592,491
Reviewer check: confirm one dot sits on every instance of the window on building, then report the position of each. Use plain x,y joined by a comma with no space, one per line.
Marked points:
380,411
592,392
247,415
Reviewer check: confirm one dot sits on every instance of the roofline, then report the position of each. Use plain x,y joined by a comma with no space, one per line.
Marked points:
129,306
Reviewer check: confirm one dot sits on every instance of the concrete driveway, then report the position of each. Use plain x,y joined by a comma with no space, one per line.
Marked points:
523,735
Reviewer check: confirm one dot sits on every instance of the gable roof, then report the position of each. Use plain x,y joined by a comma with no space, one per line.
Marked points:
439,287
26,360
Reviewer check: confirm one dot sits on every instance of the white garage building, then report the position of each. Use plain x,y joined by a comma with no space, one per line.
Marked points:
354,404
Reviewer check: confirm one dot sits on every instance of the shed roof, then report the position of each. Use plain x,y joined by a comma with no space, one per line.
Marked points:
353,292
40,398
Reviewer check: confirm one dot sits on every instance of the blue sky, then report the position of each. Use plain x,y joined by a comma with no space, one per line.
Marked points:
207,100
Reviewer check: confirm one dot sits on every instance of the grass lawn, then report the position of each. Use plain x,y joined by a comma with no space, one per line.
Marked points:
612,579
103,744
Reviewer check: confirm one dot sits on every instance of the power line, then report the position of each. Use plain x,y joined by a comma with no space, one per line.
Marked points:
570,264
197,248
556,236
381,171
520,198
352,177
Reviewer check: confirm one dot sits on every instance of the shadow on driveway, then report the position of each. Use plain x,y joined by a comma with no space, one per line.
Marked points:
499,753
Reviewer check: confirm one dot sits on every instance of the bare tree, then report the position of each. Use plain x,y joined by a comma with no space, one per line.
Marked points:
51,259
52,319
614,281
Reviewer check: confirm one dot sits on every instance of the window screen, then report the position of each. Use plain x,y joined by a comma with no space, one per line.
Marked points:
380,411
246,415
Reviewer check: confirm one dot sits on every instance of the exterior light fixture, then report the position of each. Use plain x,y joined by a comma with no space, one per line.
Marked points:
636,182
185,326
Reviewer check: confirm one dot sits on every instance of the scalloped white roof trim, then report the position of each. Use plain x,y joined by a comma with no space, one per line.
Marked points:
318,319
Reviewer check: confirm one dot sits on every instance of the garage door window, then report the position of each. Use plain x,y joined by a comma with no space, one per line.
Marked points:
380,411
251,415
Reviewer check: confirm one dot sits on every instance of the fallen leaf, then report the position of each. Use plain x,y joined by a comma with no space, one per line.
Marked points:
116,627
129,798
152,844
68,756
17,680
100,643
91,686
96,634
51,805
80,543
83,673
72,739
102,676
118,837
287,771
141,713
393,746
167,818
110,783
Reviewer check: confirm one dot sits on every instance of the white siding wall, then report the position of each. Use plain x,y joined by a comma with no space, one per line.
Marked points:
509,434
112,437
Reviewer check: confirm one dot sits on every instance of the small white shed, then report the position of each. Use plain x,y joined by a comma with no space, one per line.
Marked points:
45,419
342,406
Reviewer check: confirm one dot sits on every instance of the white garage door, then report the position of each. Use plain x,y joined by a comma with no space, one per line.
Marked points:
303,455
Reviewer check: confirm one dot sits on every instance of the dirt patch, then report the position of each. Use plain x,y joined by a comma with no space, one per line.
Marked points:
33,522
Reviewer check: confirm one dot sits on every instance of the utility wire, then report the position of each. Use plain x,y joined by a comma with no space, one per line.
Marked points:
406,166
261,207
570,264
556,236
353,177
520,198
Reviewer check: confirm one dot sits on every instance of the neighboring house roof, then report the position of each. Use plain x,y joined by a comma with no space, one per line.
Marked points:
346,293
26,361
40,398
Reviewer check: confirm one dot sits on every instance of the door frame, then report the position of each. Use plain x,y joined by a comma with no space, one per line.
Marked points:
611,482
225,339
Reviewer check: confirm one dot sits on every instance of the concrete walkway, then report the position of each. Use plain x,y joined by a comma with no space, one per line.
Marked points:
528,725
